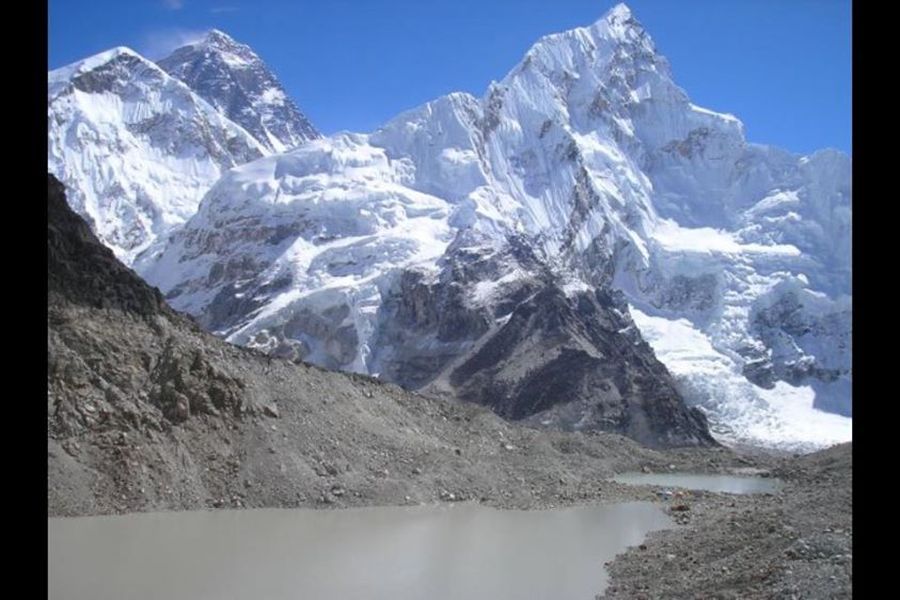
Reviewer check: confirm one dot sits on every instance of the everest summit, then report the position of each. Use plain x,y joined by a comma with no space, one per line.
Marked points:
232,78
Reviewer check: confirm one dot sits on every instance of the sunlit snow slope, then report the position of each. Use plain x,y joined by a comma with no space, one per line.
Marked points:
136,148
138,144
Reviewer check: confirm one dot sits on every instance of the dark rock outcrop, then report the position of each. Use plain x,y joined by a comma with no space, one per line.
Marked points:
578,362
82,271
485,332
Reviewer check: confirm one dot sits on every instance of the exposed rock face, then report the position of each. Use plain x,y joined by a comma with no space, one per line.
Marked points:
427,320
579,362
425,324
528,349
83,272
232,78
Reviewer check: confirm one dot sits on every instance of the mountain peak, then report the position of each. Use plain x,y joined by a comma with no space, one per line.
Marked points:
235,80
117,52
618,12
217,36
235,54
58,79
219,41
98,60
619,23
617,27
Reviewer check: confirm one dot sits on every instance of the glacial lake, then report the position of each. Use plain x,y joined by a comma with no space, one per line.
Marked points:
729,484
458,552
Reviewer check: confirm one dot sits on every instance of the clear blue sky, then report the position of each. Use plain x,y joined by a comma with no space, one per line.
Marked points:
782,66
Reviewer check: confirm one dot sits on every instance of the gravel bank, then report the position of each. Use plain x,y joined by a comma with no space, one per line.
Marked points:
797,543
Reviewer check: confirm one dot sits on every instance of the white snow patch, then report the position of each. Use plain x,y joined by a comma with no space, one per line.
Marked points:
485,291
782,417
706,240
273,95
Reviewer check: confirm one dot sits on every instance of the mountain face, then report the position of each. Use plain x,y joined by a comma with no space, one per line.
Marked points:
232,78
147,412
367,279
136,148
483,247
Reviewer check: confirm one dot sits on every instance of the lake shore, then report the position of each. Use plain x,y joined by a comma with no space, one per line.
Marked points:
797,543
793,543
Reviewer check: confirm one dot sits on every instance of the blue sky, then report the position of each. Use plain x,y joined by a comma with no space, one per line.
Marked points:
782,66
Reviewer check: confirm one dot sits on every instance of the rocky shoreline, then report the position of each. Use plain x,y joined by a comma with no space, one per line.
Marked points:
796,543
793,543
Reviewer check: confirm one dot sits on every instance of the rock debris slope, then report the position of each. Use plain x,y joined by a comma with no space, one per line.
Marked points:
583,184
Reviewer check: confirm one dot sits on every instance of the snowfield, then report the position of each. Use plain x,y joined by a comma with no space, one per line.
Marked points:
782,417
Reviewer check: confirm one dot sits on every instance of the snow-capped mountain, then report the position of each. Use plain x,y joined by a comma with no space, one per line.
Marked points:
231,77
135,147
485,247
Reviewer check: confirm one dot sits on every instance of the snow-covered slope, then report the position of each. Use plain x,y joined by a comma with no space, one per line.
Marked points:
592,158
315,227
136,148
231,77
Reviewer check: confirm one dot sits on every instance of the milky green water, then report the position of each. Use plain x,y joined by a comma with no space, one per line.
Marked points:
459,552
730,484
